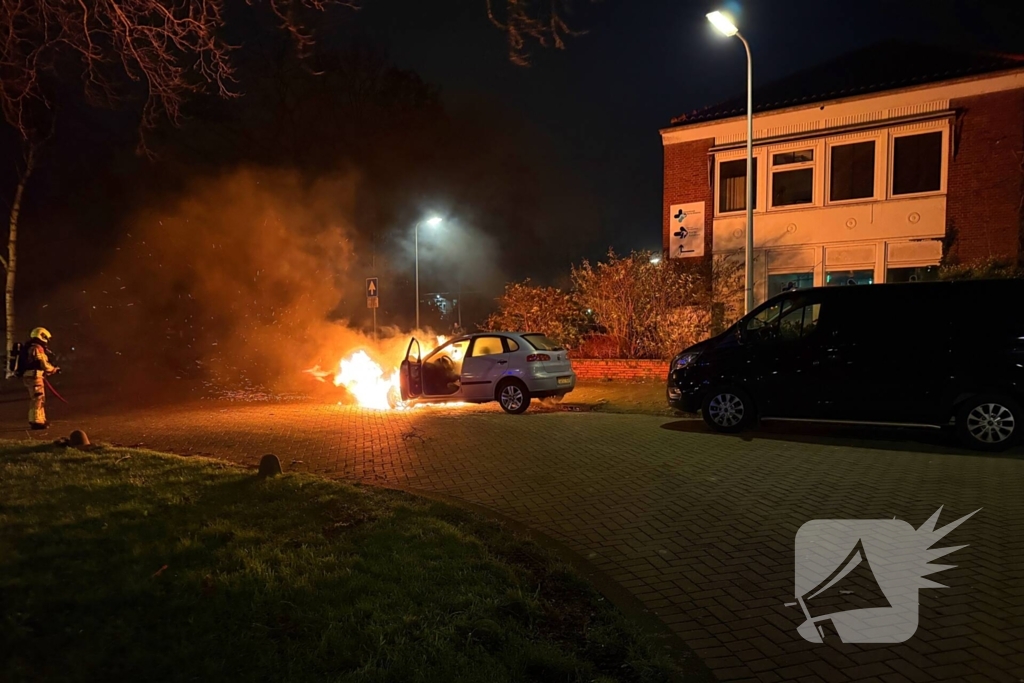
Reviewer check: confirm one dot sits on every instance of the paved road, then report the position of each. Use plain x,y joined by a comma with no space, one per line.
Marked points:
700,527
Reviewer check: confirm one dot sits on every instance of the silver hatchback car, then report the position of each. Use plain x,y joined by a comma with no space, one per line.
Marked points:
511,368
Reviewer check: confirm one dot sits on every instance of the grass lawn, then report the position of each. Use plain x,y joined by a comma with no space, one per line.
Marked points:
119,564
621,397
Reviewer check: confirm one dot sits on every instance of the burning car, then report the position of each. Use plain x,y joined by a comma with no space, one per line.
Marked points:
511,368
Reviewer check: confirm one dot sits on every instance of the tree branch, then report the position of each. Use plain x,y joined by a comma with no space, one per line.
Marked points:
170,49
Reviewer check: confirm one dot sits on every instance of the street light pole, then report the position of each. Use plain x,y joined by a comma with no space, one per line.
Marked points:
727,27
433,222
417,240
750,179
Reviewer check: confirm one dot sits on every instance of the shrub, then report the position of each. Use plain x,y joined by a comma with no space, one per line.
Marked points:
649,310
597,345
539,309
627,306
990,268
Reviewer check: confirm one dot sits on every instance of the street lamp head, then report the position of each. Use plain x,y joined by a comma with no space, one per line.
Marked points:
655,260
434,221
724,23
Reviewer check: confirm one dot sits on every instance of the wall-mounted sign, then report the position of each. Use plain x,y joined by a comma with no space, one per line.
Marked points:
686,230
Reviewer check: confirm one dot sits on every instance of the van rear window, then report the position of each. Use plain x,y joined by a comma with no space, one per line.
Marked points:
541,343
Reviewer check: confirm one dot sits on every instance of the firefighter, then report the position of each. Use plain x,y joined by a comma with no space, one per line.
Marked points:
34,365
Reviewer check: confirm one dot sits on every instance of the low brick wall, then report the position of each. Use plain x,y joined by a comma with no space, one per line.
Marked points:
620,370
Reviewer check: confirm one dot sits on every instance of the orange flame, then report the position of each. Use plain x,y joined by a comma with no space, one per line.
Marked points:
365,380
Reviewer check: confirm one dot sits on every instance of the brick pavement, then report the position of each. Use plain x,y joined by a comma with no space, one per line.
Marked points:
699,527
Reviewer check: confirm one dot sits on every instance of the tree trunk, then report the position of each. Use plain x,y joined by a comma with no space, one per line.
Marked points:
11,262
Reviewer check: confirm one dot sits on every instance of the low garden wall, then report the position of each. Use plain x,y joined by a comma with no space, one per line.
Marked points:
620,370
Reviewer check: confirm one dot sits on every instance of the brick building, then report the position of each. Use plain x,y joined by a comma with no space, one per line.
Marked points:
874,167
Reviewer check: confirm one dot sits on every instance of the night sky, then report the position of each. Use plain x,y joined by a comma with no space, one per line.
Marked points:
535,167
597,106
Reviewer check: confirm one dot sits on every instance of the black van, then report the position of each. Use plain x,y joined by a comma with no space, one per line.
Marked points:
930,354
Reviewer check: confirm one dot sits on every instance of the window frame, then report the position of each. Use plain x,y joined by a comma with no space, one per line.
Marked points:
451,344
853,269
908,266
471,351
907,131
879,139
759,185
787,304
558,345
803,317
812,146
787,272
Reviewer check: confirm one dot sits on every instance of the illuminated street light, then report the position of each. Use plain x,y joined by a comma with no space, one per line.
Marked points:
655,260
433,222
723,23
727,27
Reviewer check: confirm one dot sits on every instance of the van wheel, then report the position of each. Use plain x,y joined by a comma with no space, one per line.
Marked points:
513,396
989,422
727,410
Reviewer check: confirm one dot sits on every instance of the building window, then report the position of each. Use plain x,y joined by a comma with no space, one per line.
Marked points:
793,178
800,157
784,282
732,185
917,163
852,171
913,274
839,278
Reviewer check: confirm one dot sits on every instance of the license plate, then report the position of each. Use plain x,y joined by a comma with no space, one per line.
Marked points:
564,380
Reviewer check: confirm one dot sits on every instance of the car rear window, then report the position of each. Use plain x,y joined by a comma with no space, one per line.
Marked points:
541,343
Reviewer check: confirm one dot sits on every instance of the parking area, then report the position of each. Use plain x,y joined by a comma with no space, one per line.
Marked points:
700,527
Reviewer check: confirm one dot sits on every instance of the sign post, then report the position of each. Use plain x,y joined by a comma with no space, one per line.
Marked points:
373,301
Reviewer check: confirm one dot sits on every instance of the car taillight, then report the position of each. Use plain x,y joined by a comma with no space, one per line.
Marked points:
537,357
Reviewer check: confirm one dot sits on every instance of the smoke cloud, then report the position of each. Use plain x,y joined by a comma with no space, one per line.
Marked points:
236,281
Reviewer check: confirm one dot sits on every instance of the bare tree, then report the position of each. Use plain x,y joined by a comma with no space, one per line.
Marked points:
159,52
542,21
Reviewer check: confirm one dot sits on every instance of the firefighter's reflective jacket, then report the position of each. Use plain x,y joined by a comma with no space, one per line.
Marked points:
34,359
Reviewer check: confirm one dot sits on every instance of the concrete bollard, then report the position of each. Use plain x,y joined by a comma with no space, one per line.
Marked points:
78,439
270,466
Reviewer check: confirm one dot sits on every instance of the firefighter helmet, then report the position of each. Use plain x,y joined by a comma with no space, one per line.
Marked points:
42,334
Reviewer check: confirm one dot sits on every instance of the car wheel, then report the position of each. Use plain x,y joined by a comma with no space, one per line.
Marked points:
727,410
513,396
989,422
395,398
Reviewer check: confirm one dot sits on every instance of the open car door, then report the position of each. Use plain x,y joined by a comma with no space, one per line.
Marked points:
410,375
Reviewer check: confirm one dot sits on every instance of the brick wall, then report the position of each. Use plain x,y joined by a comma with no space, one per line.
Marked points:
621,370
986,179
686,179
